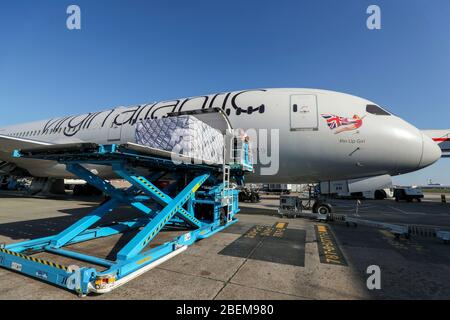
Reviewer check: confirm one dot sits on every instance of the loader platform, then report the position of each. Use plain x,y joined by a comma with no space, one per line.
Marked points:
199,199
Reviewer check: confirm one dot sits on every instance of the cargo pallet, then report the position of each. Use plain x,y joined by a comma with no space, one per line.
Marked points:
203,185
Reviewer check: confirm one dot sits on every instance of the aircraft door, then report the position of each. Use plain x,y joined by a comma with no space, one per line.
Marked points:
114,133
303,112
115,130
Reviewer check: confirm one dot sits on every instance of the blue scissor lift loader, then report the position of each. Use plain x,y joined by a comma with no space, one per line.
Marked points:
203,203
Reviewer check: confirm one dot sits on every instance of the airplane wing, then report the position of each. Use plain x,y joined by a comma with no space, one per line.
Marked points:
9,144
442,138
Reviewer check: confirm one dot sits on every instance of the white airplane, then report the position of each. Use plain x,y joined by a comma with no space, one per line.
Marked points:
323,135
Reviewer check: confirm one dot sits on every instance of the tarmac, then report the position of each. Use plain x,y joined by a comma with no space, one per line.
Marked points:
263,256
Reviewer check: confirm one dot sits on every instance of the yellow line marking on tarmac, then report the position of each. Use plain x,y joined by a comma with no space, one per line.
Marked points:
280,225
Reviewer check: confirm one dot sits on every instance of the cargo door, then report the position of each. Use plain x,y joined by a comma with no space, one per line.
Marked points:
303,112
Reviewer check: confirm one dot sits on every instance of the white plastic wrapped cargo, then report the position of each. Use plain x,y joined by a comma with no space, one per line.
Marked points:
182,135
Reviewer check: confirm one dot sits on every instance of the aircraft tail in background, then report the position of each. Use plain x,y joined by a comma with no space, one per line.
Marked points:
442,138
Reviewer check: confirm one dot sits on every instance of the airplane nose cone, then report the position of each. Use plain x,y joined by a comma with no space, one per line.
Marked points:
430,152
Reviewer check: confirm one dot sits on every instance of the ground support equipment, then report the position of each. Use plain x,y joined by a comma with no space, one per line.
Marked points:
204,205
397,230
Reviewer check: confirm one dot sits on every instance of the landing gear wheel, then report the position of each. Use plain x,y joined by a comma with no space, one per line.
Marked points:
380,195
321,208
78,190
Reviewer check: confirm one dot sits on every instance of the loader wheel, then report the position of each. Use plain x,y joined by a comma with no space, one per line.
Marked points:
223,216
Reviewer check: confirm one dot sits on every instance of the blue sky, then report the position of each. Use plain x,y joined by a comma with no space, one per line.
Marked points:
138,51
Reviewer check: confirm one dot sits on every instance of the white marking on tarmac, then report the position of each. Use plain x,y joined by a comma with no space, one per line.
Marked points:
408,213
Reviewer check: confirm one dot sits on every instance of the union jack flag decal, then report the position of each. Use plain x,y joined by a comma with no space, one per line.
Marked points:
341,123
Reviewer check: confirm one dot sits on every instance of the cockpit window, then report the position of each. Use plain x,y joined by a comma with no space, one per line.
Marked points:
373,109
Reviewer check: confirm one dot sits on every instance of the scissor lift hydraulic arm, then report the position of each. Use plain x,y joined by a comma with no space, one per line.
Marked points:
133,259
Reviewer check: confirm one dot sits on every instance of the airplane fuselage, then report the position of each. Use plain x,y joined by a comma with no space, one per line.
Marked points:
312,135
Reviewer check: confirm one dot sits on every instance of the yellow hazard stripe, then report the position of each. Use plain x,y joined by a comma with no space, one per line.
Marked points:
197,186
148,185
45,262
144,260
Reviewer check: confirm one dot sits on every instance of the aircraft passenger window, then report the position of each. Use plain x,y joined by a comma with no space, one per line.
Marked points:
373,109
